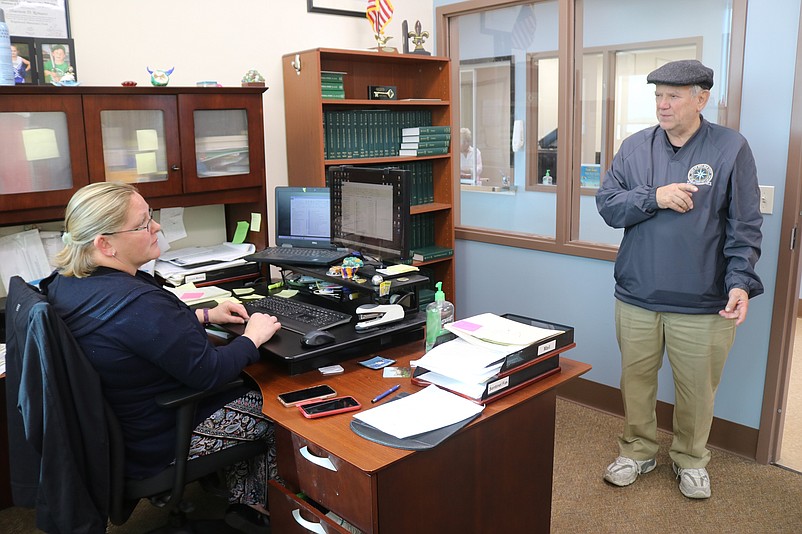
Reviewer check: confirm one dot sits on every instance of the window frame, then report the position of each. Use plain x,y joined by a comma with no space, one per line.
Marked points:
565,240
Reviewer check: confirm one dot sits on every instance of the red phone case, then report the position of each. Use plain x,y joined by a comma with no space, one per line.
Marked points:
354,407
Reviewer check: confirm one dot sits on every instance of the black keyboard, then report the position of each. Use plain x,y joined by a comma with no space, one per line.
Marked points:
298,316
299,255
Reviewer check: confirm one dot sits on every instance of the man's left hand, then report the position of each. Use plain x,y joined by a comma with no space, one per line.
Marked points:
737,306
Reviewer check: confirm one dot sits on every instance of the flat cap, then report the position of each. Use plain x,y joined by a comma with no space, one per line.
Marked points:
682,72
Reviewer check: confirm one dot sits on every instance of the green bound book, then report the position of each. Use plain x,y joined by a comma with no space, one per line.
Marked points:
431,253
428,144
436,151
426,138
423,130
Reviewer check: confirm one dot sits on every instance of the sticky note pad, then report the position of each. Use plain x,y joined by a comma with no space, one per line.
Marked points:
241,233
256,221
147,140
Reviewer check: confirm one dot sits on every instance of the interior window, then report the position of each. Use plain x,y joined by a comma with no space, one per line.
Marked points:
593,88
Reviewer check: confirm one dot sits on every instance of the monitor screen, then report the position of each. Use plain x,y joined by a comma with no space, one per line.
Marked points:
303,216
370,210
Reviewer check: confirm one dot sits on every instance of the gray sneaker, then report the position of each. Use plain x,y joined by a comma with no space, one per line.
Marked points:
693,483
623,471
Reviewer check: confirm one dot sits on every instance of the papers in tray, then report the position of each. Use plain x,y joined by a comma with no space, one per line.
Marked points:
429,409
488,330
196,256
190,294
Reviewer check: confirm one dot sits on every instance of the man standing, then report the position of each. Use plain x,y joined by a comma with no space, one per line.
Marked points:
687,195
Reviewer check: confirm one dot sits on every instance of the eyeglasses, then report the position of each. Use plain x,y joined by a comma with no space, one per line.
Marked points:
146,226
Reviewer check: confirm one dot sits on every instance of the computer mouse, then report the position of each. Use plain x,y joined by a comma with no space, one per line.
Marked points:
317,338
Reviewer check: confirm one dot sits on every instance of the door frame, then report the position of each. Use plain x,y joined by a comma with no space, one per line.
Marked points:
786,292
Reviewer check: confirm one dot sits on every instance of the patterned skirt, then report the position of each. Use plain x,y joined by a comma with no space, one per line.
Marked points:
240,420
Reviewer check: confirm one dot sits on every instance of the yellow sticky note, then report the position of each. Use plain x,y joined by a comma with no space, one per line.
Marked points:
256,221
240,291
40,143
146,163
147,140
241,233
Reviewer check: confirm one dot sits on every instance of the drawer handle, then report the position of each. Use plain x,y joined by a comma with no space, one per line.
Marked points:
317,460
308,525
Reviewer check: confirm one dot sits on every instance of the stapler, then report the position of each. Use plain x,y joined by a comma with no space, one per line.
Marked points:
373,315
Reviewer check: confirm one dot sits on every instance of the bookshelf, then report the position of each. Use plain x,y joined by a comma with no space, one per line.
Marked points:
422,85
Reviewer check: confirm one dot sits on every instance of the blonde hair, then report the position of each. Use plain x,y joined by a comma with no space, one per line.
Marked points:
93,210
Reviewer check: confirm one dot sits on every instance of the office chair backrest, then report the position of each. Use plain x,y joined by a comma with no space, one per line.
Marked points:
58,443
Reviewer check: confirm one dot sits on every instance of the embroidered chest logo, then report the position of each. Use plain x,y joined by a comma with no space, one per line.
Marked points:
701,174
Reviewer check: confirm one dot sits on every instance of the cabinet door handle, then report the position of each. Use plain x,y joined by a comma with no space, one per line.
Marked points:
175,168
317,460
308,525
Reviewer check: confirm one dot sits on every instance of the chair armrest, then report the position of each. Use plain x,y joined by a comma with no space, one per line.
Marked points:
187,395
185,401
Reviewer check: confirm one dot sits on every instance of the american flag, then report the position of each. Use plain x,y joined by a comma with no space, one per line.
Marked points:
379,13
523,30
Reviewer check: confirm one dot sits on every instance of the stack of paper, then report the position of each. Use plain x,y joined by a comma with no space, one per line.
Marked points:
465,365
424,411
190,294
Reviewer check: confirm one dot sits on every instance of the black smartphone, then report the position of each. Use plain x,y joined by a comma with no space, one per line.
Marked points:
319,392
315,409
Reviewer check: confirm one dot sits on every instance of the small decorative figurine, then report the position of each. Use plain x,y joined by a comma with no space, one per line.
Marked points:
67,79
379,13
418,37
252,78
159,77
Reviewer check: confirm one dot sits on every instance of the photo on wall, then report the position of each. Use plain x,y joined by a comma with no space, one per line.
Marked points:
56,62
23,58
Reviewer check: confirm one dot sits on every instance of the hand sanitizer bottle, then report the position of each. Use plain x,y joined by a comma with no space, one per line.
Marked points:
438,313
6,68
547,177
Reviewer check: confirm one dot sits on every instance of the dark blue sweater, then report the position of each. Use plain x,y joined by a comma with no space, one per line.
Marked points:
144,341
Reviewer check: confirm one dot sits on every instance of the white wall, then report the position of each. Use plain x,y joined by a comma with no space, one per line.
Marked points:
211,40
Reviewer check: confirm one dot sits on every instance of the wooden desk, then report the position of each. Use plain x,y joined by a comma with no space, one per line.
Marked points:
495,475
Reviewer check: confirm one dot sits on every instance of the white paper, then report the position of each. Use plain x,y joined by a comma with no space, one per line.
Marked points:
426,410
172,223
493,329
463,361
23,254
191,256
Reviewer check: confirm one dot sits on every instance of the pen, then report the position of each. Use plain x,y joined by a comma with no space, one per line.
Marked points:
380,396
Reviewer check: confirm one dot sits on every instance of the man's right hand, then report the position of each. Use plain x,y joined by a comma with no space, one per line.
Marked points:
676,196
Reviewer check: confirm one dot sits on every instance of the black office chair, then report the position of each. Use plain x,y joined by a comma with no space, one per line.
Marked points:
90,453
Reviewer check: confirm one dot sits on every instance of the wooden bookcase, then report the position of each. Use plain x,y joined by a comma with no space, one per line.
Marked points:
421,83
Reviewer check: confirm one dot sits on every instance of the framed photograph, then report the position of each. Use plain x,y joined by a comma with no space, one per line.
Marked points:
23,58
56,62
44,19
349,8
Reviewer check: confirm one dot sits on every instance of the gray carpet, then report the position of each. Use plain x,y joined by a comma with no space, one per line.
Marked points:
747,497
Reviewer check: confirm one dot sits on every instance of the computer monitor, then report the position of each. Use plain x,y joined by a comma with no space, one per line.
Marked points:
370,211
303,216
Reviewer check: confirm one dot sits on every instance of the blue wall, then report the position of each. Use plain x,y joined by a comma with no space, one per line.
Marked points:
579,291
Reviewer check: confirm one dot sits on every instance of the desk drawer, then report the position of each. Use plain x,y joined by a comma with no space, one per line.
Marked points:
332,482
291,515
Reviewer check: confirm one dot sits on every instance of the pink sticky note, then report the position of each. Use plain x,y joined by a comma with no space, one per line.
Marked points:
190,296
467,326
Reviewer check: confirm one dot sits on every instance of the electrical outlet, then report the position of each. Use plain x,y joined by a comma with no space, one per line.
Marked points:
767,199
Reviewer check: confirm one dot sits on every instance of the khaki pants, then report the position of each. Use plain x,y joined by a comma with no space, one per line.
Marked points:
697,347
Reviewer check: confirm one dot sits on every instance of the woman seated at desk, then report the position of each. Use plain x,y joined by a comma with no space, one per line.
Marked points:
143,341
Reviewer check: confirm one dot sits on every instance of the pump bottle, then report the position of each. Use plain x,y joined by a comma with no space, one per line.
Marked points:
438,314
